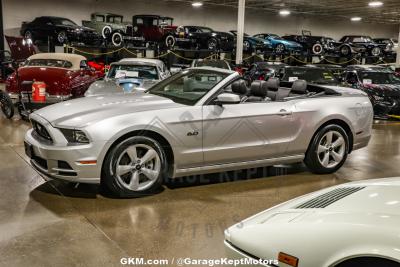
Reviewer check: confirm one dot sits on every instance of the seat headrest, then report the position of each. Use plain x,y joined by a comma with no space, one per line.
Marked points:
239,87
259,88
273,84
299,87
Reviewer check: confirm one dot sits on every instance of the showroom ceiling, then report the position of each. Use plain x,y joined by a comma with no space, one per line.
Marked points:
389,13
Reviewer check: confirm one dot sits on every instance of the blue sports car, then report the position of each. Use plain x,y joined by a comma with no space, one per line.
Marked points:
254,44
279,44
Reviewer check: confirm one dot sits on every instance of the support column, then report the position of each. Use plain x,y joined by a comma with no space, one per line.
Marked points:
1,26
398,53
240,31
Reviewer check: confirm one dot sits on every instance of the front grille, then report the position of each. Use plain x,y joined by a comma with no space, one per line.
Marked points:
328,198
40,130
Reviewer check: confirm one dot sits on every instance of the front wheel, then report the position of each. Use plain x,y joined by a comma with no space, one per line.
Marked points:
212,44
317,49
328,150
345,51
6,105
135,167
247,46
117,39
376,51
170,41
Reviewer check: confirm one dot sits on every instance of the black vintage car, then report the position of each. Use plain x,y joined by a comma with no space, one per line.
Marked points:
391,44
316,45
197,37
381,85
360,44
62,30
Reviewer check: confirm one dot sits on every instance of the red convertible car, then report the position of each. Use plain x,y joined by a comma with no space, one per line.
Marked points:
61,77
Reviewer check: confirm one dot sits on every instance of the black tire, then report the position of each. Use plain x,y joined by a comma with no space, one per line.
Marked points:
345,51
375,52
368,262
247,46
317,49
117,184
106,32
170,41
117,39
280,48
314,157
62,37
7,106
212,44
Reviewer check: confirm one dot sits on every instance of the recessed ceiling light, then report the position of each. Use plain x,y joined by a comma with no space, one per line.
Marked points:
375,4
355,19
197,4
284,12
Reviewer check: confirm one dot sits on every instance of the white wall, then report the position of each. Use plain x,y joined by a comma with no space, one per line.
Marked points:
220,18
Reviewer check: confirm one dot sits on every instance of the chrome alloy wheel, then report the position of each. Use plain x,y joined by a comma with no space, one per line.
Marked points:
331,149
138,167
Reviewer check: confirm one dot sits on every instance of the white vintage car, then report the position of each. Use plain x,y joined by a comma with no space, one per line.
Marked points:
349,225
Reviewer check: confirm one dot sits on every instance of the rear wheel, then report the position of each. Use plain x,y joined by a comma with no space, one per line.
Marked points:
345,51
135,167
376,51
106,32
328,150
7,106
247,46
367,262
280,48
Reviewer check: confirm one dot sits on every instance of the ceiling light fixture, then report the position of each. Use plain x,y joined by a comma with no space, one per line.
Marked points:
284,12
375,4
197,4
355,19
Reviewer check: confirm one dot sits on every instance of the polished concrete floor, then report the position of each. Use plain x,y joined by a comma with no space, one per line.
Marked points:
54,224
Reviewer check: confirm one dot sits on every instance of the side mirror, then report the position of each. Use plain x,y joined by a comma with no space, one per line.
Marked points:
227,98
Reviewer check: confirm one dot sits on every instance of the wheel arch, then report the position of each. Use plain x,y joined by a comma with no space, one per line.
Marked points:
362,260
340,122
165,144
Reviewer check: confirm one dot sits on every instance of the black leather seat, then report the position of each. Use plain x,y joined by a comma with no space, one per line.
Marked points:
239,87
258,91
273,86
299,88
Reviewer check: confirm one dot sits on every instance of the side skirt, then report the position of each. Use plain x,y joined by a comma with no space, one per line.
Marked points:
238,165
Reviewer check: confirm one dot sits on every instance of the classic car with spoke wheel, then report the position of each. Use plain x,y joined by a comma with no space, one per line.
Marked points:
355,220
194,122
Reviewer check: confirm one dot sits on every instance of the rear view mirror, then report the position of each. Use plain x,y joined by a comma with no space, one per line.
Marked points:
227,98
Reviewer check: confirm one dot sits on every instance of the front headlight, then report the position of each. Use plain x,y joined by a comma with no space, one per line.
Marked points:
378,98
75,136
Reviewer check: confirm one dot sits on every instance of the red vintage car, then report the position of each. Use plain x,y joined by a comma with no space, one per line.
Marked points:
62,76
154,28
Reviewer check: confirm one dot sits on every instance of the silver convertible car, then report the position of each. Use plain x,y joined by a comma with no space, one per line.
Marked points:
201,120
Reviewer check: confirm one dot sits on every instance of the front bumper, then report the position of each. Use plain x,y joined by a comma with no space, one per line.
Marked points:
243,259
50,99
58,160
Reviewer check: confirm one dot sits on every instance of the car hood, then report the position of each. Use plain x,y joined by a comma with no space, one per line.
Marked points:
112,86
386,89
81,112
351,207
289,43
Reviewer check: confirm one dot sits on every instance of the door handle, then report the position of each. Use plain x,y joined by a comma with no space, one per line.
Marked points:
284,112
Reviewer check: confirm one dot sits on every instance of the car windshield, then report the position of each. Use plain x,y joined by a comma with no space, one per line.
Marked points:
189,86
319,76
274,36
62,21
379,78
57,63
133,71
212,63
